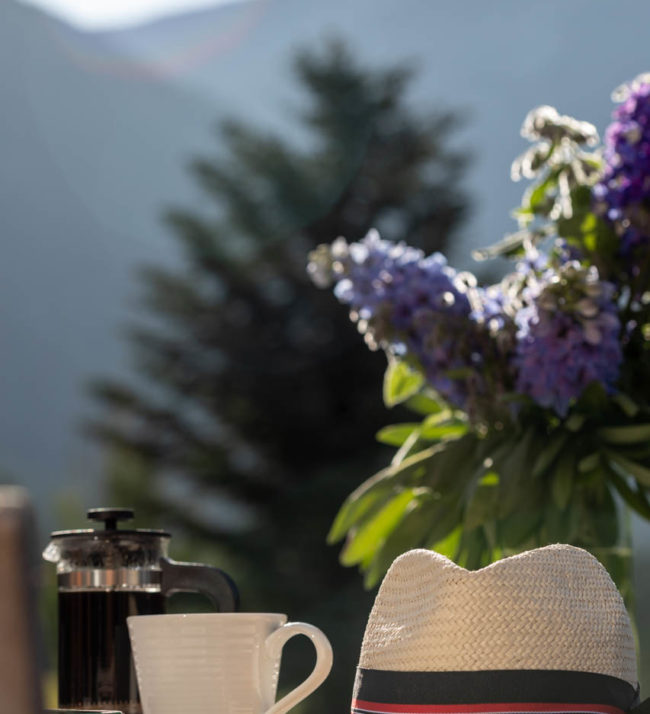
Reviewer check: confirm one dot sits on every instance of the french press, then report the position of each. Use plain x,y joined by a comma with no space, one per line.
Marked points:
105,576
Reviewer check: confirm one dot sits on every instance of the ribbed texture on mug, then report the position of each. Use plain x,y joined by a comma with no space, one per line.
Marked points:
203,664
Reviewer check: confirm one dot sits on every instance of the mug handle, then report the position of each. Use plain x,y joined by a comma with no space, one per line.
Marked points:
216,585
324,657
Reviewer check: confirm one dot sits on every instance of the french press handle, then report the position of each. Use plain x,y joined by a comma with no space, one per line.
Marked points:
216,585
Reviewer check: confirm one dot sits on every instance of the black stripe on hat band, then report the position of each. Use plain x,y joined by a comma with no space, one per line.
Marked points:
373,685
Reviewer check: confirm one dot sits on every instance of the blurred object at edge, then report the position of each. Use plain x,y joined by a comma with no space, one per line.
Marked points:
20,655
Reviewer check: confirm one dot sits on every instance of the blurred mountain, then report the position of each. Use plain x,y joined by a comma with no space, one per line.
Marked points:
96,130
88,156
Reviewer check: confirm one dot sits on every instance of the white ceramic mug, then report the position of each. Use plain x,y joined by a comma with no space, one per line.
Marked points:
219,663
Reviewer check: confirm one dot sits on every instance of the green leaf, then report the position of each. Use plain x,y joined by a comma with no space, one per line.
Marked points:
536,198
590,241
518,527
371,535
634,499
589,223
512,463
633,468
459,373
618,561
369,496
400,382
593,400
411,446
633,434
396,434
472,549
641,452
424,404
483,507
491,478
523,216
575,422
563,478
409,533
453,465
490,533
548,455
602,240
449,545
569,228
447,520
444,432
356,506
628,406
413,465
589,463
561,526
442,417
509,246
599,527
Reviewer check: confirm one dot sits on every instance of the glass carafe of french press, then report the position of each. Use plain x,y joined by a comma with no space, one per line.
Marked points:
104,576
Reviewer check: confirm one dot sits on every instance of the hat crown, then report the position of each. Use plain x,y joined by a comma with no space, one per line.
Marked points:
553,608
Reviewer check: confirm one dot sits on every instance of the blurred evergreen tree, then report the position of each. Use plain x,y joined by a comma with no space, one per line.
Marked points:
258,403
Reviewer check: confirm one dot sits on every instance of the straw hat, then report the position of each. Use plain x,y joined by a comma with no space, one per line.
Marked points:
546,630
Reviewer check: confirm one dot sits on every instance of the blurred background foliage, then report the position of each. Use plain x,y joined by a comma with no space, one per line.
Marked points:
256,402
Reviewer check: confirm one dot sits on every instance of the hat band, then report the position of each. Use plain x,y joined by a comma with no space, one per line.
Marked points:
490,692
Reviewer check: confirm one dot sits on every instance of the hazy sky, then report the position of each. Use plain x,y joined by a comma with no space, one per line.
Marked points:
100,14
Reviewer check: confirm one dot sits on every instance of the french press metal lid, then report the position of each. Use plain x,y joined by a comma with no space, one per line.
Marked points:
131,559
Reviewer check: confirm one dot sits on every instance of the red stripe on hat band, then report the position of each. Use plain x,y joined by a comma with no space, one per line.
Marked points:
361,706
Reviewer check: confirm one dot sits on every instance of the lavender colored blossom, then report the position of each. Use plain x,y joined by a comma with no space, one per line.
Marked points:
623,194
548,330
410,304
567,336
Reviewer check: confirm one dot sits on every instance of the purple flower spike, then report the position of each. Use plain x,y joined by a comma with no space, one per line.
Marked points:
567,337
623,194
416,306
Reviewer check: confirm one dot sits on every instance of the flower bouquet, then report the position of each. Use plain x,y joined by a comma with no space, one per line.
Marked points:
532,395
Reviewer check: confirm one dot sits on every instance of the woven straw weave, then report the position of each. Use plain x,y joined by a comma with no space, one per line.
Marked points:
551,608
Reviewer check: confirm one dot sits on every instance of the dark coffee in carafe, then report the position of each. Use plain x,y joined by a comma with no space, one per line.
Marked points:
102,671
105,576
